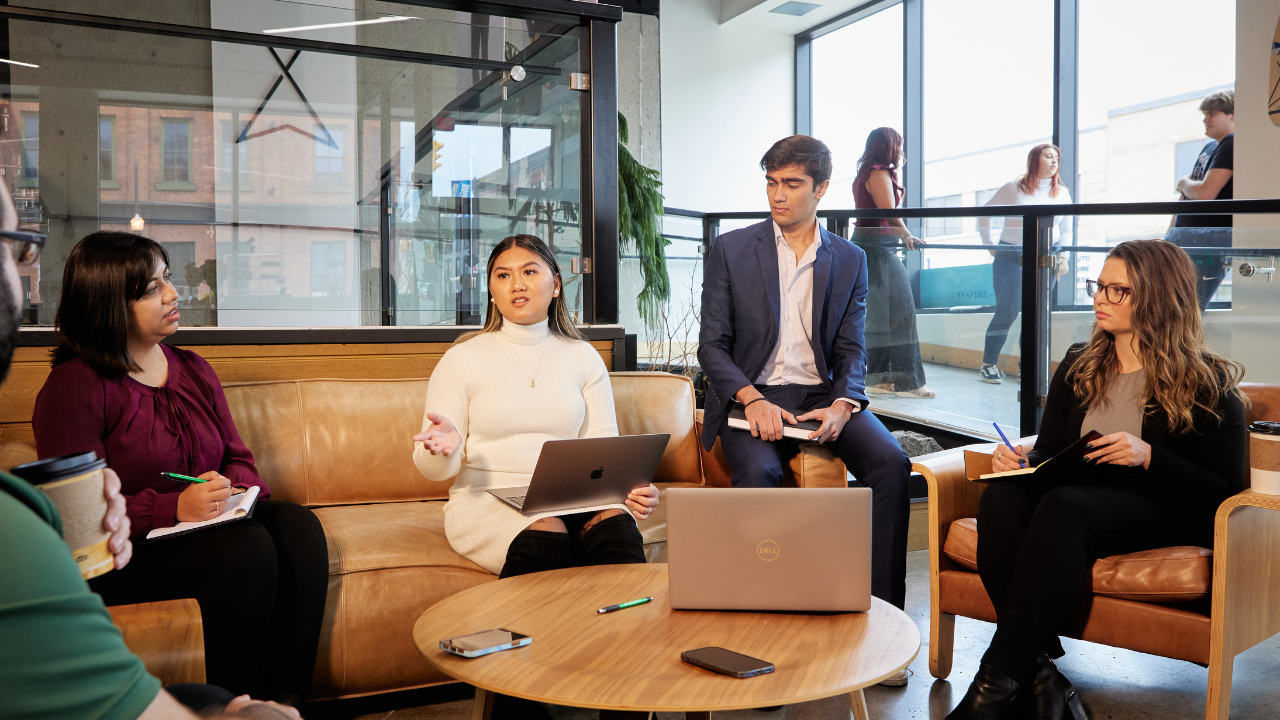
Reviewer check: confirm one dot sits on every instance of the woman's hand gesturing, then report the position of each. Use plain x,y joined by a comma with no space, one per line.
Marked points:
643,501
204,501
1120,449
440,437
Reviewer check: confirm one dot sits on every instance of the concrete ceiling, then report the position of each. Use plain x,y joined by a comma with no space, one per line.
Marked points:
755,14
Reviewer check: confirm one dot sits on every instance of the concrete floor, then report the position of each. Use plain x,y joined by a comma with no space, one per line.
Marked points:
1117,684
963,402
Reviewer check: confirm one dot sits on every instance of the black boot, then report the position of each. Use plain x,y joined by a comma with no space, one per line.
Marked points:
1052,695
990,696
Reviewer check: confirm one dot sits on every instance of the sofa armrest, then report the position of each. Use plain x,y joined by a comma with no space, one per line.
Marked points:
813,465
167,635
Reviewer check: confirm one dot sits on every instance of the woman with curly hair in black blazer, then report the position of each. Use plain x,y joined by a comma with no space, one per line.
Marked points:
1173,448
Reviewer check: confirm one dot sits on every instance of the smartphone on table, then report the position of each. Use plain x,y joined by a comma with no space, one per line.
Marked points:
484,642
726,662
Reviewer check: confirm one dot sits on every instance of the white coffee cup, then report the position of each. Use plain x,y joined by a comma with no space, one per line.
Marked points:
1264,457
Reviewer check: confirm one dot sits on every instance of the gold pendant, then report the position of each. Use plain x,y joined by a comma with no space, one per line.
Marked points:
531,384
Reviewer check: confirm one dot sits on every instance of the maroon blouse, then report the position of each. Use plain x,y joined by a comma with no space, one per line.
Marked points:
862,199
183,427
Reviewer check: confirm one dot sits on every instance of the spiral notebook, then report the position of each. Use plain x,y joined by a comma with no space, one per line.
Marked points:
238,507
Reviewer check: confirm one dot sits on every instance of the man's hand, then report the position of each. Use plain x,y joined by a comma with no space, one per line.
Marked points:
116,521
833,420
766,419
246,707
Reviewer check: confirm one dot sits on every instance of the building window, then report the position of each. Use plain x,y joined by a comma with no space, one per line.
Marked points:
329,165
30,150
1185,154
175,172
982,197
229,145
328,268
107,153
933,227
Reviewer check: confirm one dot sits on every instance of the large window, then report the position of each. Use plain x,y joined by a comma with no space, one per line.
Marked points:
344,212
857,87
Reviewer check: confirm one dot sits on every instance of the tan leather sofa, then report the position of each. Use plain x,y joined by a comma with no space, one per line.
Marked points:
1196,604
343,447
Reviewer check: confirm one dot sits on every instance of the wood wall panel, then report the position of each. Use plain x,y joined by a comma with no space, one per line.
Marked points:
247,363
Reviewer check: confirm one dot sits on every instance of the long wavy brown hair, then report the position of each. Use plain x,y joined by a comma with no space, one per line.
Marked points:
559,322
1182,374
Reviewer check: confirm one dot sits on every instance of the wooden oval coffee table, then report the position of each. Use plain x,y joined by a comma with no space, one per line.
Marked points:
629,660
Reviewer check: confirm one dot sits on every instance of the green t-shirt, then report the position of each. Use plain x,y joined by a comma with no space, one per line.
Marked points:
60,656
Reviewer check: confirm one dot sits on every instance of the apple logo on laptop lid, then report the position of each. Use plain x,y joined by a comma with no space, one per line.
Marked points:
597,473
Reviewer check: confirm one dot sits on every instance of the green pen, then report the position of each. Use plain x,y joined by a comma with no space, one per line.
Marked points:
631,603
182,478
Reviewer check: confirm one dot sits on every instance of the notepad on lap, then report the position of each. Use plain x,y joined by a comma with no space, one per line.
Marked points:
977,465
801,430
238,506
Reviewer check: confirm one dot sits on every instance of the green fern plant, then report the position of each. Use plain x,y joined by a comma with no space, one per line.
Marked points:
640,226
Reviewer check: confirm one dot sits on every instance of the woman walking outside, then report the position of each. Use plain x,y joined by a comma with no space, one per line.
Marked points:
893,348
1040,186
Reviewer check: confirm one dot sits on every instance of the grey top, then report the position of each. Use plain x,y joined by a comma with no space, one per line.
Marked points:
1121,410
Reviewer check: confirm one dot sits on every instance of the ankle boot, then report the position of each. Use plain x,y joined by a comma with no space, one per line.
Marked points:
1052,695
990,696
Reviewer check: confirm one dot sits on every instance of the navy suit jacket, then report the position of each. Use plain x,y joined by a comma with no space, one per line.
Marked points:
740,307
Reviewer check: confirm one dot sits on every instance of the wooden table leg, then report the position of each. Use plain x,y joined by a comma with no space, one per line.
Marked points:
482,708
859,705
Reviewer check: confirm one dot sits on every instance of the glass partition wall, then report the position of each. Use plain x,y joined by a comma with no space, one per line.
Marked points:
302,165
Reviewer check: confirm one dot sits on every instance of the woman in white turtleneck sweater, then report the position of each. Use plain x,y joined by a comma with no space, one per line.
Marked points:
495,397
1040,186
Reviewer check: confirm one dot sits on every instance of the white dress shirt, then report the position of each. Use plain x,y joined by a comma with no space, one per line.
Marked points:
793,361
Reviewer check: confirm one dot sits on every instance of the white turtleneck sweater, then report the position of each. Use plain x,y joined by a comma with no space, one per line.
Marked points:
483,387
1011,194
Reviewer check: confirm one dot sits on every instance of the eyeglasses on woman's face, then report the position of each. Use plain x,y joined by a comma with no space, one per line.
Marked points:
1115,294
25,246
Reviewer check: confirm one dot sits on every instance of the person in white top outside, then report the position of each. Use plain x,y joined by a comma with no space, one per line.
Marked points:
1040,186
495,397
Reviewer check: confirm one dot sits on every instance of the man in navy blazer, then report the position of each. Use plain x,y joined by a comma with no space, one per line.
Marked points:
783,310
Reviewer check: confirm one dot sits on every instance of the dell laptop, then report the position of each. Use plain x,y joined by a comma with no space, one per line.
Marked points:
782,549
587,472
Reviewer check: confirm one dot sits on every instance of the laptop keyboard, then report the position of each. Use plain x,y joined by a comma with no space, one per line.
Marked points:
517,500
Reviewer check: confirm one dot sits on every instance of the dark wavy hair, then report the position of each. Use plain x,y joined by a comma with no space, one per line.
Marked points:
559,322
105,272
810,153
884,147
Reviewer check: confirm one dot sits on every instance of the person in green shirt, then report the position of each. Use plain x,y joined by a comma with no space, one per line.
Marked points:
60,654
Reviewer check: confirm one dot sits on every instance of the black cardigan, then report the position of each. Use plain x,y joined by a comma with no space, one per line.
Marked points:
1197,468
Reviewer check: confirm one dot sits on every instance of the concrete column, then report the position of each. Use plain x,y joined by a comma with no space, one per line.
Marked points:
68,182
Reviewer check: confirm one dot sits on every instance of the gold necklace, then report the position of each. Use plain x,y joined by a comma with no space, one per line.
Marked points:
523,369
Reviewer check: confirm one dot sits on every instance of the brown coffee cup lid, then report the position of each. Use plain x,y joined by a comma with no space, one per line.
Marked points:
58,468
1265,427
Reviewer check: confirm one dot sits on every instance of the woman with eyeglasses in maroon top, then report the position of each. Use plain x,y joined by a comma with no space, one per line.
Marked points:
1173,447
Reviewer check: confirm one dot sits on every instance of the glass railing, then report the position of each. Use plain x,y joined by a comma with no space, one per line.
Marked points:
978,304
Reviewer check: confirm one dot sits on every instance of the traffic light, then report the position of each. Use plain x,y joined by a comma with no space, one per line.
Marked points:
436,162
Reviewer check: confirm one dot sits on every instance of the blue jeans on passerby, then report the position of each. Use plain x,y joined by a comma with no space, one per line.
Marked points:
1006,281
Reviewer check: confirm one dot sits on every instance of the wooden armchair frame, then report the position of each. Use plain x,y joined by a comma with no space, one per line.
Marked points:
1245,606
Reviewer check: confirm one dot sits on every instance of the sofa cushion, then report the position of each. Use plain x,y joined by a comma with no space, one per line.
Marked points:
1165,575
652,402
389,535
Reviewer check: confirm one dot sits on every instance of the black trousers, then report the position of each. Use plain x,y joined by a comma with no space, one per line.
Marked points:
612,541
261,585
893,346
868,450
1038,540
1209,269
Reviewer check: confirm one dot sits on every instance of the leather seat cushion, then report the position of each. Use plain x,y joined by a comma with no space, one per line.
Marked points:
1165,575
389,535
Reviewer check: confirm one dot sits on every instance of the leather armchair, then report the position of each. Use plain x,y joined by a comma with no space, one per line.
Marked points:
1196,604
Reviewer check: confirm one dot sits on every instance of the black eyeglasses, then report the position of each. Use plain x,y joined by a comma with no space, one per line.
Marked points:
26,246
1116,294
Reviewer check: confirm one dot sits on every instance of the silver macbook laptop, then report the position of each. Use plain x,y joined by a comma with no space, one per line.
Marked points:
787,549
587,472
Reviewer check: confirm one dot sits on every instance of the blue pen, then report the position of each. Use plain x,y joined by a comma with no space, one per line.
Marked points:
1009,445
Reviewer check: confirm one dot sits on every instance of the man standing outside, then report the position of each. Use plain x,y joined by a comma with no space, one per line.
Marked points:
783,311
1210,179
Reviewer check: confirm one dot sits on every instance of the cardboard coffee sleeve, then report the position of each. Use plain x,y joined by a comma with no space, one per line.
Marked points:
75,485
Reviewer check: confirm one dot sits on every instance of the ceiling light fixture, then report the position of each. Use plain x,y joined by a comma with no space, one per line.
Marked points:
795,8
15,62
389,18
